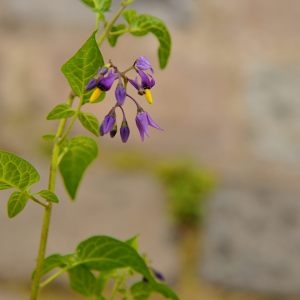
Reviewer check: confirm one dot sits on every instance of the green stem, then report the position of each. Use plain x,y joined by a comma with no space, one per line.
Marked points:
70,126
110,24
38,201
52,277
35,287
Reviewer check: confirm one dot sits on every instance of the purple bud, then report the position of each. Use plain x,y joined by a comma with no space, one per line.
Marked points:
105,83
142,63
124,131
108,123
120,93
158,275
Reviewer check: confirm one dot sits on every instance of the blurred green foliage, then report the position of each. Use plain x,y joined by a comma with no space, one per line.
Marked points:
187,187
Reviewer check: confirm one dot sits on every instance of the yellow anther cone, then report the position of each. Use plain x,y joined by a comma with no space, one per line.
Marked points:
148,96
95,95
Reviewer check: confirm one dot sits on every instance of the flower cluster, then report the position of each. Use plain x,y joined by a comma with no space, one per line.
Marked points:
143,83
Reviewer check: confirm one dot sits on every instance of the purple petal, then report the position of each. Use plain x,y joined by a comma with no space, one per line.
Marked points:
147,81
91,84
103,71
152,123
106,82
142,63
107,124
120,93
134,83
142,124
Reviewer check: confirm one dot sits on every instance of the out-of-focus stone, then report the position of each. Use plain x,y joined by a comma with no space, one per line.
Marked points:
252,239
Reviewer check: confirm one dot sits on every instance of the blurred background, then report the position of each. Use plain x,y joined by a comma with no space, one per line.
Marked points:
215,197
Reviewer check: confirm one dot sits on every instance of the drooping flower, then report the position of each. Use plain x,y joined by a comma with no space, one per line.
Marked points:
147,81
106,82
143,83
142,63
108,123
143,121
102,83
120,93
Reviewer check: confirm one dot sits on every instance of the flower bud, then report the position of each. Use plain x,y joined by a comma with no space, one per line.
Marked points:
124,131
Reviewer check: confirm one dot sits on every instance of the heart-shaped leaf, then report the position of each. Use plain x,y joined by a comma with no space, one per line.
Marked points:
82,66
16,203
90,122
15,172
48,195
60,111
79,152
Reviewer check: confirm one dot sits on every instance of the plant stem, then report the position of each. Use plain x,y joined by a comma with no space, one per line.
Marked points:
35,287
41,254
38,201
109,25
53,277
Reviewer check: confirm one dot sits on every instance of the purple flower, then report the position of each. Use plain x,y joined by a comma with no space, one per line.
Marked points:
94,81
120,93
124,131
142,63
142,82
108,123
143,121
105,83
147,81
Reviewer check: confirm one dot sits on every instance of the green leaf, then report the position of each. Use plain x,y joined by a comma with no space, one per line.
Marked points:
144,24
104,254
48,195
60,111
102,5
130,15
48,137
82,66
16,172
89,3
141,290
16,203
133,242
54,261
115,33
164,290
82,280
90,122
79,151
